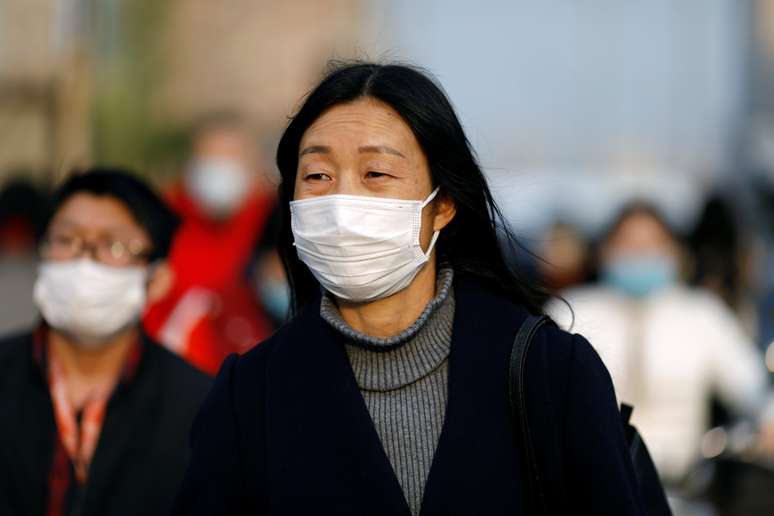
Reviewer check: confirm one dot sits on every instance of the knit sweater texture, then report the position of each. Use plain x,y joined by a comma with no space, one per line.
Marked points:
403,380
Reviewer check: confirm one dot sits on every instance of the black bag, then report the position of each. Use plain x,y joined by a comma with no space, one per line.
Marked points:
653,495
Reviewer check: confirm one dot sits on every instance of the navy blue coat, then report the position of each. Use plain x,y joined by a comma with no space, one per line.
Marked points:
141,455
285,430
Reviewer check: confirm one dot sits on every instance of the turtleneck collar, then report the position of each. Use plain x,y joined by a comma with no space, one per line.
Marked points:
385,364
330,313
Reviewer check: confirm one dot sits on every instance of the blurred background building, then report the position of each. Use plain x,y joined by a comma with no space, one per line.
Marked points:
121,81
658,87
566,105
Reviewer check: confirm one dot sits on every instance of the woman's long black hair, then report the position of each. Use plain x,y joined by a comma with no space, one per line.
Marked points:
469,243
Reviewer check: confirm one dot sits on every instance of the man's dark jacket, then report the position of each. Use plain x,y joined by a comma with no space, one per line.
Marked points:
285,430
142,450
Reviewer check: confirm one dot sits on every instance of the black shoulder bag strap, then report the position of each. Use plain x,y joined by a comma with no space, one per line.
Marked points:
648,481
518,403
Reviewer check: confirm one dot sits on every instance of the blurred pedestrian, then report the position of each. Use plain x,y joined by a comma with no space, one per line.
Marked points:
721,257
94,414
387,393
225,202
563,257
21,206
668,347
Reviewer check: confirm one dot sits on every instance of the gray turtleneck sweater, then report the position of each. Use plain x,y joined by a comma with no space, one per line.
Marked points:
403,380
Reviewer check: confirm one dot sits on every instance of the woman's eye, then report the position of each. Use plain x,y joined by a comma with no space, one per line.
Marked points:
372,174
317,176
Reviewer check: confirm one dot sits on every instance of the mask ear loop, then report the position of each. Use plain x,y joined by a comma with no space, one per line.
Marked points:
430,197
435,233
432,243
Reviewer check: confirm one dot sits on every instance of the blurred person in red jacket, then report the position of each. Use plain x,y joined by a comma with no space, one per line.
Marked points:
225,202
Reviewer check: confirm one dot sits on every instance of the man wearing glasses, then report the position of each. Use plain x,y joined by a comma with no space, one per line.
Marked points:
94,416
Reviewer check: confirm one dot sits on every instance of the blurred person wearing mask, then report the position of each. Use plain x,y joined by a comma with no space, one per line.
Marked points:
668,347
224,202
95,414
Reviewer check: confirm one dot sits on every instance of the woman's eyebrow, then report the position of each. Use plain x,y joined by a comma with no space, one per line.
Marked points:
312,149
325,149
383,149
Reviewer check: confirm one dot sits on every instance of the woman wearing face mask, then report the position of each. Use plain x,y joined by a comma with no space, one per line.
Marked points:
94,415
669,347
386,394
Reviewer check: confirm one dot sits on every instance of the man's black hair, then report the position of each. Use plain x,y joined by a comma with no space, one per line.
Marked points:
147,208
21,199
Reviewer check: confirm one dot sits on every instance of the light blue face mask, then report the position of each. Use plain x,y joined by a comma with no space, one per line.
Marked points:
640,276
275,296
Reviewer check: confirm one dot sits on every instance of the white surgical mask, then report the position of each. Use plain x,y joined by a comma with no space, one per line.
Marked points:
89,301
219,184
360,248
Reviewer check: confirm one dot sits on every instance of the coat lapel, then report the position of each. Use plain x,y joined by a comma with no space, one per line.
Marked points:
324,454
35,434
475,468
126,431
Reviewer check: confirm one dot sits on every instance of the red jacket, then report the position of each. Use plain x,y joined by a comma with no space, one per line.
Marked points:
212,309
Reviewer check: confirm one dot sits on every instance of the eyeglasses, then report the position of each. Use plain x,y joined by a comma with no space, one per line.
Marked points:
108,250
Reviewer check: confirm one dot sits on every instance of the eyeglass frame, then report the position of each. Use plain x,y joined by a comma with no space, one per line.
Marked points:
135,256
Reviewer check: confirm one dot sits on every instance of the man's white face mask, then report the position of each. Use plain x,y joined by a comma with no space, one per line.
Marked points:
89,301
360,248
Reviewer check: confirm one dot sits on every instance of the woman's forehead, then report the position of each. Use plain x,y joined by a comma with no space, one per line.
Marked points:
361,122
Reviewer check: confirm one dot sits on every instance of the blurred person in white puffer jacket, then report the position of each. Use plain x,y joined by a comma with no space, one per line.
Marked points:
669,347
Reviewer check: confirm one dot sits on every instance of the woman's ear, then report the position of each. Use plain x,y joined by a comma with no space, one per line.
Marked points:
445,209
162,277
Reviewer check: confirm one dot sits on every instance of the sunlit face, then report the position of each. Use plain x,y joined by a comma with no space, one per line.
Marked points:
361,148
100,225
640,235
224,144
365,148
